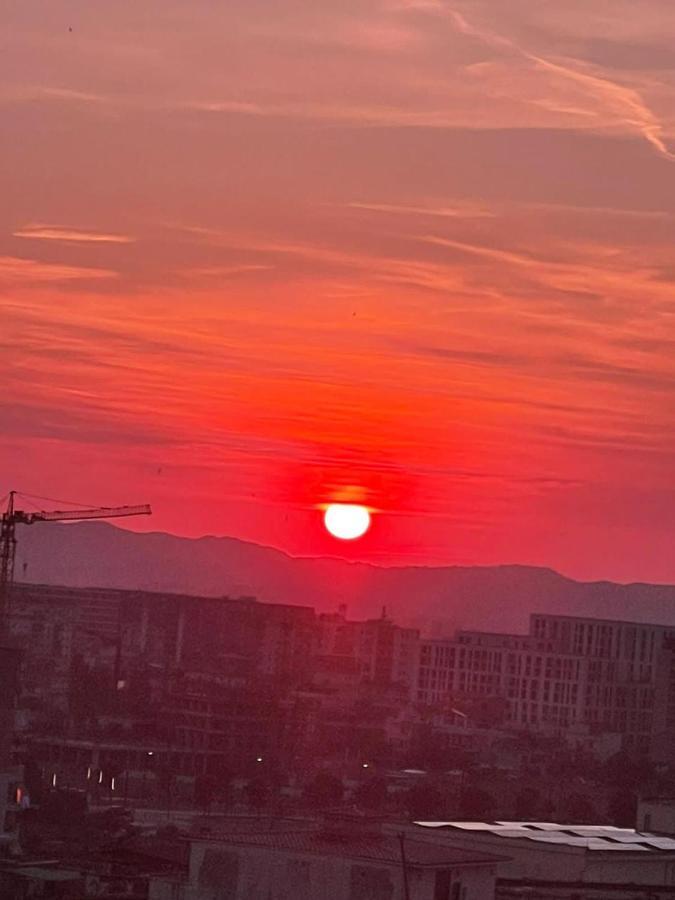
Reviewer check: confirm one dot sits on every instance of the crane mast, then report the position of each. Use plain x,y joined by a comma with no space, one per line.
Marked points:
13,517
7,552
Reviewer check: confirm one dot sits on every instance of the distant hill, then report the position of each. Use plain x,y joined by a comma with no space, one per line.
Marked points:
439,599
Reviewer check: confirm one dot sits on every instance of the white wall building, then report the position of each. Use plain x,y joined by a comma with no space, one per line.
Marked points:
548,860
657,815
331,864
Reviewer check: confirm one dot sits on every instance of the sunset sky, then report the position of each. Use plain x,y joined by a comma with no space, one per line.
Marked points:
416,254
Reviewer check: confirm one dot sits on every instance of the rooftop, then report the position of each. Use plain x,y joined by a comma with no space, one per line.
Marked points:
39,873
375,848
588,837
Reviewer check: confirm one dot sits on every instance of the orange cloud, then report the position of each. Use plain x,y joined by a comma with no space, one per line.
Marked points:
57,233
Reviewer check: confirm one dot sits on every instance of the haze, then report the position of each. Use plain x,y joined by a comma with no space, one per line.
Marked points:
257,257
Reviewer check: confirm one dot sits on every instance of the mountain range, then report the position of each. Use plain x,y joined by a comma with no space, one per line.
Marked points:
436,599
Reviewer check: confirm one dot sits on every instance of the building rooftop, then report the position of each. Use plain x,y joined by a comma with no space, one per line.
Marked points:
38,873
375,848
588,837
597,620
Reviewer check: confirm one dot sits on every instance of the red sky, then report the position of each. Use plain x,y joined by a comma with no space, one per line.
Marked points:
254,257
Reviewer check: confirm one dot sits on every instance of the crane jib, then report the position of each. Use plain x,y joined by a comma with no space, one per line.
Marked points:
66,515
13,517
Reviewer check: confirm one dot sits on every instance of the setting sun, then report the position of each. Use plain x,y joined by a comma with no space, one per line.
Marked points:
347,521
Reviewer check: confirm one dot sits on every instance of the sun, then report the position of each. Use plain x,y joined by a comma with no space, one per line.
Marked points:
346,521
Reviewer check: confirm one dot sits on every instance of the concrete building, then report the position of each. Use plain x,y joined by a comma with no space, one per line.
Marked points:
567,862
656,815
662,749
385,653
43,626
340,862
10,775
567,675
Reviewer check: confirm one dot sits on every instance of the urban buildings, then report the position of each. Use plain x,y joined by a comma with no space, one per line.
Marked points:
384,653
549,861
340,859
133,684
568,675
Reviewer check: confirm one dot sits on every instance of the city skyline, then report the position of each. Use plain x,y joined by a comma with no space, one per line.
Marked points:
406,253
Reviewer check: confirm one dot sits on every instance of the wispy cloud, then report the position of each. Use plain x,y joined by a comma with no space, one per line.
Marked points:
43,232
223,271
621,103
18,271
456,211
614,102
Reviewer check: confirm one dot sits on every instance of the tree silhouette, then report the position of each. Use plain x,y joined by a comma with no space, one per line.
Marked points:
324,790
425,800
475,803
258,792
580,810
527,803
372,794
623,808
205,790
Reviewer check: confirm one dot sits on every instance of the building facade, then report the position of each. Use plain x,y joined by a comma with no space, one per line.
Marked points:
551,861
384,653
567,674
325,862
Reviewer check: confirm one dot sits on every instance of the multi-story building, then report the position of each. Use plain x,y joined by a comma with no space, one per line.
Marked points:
662,748
43,627
353,859
385,653
550,861
166,631
567,673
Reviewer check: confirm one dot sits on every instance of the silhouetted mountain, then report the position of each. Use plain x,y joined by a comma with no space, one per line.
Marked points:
498,598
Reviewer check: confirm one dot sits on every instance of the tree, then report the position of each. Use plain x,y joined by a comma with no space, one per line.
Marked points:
165,783
324,790
425,800
222,776
258,792
527,803
205,788
627,770
580,810
475,803
432,752
623,808
372,794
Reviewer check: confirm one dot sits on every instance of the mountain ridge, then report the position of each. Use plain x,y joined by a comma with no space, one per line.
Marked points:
438,599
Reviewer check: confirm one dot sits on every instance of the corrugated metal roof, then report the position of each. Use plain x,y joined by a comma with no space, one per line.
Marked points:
590,837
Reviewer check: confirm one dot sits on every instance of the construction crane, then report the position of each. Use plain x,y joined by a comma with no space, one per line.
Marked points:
13,517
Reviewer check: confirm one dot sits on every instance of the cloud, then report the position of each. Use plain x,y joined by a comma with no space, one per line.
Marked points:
619,102
223,271
18,271
456,211
57,233
610,101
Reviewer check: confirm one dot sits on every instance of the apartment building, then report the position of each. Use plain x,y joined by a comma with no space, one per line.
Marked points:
384,653
566,673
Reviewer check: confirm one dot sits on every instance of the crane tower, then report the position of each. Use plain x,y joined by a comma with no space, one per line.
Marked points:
13,517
